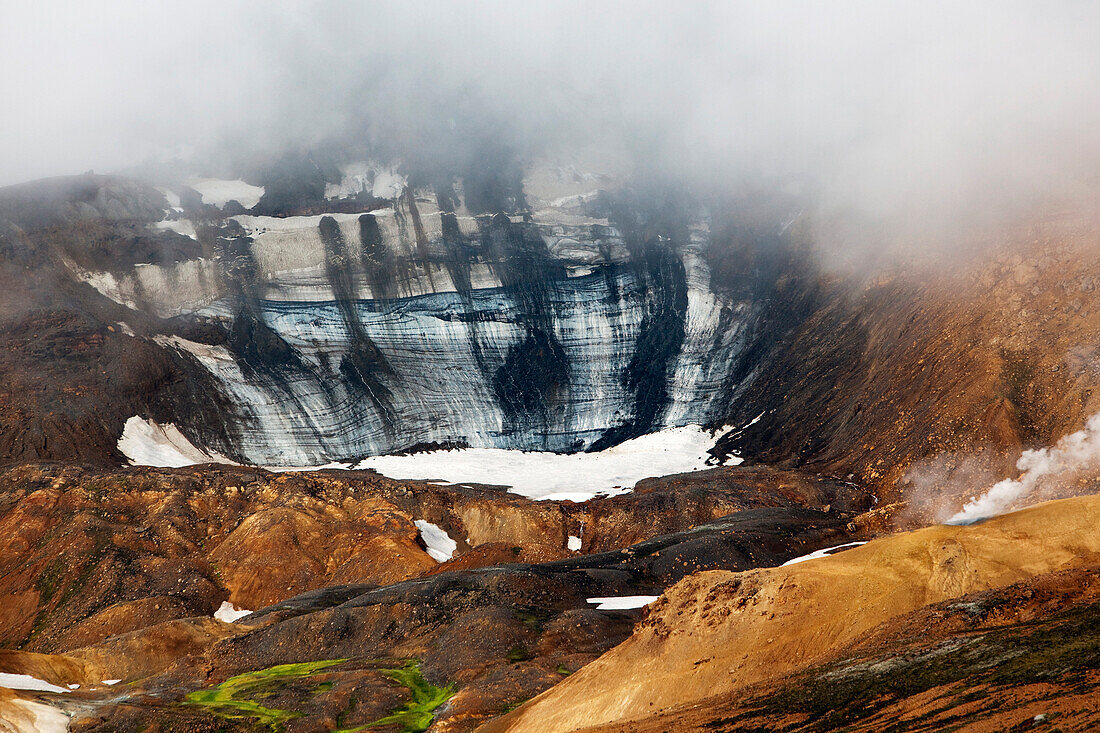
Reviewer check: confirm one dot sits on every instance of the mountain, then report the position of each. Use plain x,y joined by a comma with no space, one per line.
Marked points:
342,327
697,391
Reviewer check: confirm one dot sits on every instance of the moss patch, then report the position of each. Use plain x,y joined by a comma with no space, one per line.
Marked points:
519,653
417,714
533,619
236,698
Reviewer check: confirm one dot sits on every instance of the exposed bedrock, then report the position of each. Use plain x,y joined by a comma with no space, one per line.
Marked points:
89,553
120,573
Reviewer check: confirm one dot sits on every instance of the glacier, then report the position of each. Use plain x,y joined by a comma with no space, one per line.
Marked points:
563,327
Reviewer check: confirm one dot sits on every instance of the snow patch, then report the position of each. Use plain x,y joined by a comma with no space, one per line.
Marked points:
146,443
821,553
622,603
440,545
575,200
26,682
573,543
180,226
229,613
219,192
557,477
171,197
752,422
29,716
110,682
382,182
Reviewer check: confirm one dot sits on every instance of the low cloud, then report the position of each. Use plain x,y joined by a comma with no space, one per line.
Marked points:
909,121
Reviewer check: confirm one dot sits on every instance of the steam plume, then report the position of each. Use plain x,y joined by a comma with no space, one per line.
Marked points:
1074,452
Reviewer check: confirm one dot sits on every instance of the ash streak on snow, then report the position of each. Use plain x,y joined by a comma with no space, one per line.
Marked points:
1075,452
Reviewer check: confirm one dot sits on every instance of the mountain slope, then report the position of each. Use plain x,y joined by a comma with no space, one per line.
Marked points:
719,632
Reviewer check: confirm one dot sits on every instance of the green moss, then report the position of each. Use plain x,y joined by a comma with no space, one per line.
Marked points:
519,653
353,701
50,579
417,714
563,670
235,699
532,619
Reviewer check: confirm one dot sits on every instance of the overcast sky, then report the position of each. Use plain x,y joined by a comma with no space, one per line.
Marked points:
903,109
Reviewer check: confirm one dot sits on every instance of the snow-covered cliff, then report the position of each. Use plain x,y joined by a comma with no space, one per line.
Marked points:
574,322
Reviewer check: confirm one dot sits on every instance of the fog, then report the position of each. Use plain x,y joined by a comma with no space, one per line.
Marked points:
912,115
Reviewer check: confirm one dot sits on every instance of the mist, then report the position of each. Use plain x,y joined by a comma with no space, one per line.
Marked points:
1073,453
910,118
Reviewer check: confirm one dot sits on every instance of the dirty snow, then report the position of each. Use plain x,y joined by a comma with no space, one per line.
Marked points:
382,182
219,192
822,553
180,226
171,197
26,682
106,285
556,477
229,613
29,716
573,543
146,443
440,545
335,465
622,603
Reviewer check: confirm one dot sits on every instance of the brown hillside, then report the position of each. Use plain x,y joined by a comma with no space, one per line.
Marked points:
718,632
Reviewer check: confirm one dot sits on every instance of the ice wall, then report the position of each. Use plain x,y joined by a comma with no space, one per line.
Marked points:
565,327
